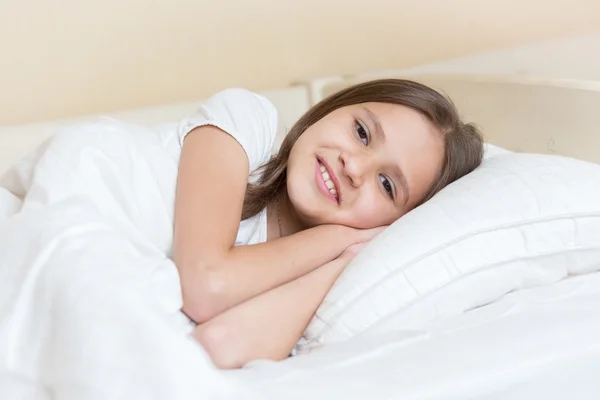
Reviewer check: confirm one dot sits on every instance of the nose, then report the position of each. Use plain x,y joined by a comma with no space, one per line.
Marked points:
355,167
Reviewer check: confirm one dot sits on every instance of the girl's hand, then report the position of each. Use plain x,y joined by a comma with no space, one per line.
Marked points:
351,252
365,236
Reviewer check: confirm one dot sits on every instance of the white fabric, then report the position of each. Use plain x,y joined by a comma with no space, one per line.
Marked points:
89,302
518,221
18,140
540,343
249,117
489,151
89,298
252,121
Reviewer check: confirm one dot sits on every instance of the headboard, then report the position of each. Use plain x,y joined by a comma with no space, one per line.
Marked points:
524,114
519,113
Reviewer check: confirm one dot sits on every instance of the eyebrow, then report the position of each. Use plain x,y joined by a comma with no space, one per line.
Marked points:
381,136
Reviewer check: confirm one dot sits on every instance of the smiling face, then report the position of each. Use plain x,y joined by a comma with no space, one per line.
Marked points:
363,165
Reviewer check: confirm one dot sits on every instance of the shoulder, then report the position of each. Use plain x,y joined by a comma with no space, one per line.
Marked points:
244,106
247,116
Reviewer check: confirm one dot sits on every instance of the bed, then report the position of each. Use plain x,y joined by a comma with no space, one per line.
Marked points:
535,343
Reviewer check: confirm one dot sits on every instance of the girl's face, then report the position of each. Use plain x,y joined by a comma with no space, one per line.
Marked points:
363,165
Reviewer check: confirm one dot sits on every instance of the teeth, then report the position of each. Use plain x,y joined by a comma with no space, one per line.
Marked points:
328,181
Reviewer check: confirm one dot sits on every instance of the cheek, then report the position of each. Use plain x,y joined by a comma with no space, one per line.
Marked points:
371,210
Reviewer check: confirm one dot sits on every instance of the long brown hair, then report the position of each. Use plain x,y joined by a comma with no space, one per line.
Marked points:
463,142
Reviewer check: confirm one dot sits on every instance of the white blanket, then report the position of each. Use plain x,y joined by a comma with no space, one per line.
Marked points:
89,298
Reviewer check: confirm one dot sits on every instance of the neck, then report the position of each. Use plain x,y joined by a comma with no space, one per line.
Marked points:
281,209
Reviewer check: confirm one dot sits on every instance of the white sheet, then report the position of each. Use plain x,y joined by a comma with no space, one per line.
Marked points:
89,303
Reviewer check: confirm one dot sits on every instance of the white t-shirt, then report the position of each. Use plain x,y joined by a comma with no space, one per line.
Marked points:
250,119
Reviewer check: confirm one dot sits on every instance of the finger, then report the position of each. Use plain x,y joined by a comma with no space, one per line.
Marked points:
354,249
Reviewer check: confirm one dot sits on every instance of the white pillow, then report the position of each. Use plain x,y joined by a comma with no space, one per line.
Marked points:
518,221
489,150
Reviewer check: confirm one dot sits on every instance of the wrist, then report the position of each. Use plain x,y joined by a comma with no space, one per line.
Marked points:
350,235
345,234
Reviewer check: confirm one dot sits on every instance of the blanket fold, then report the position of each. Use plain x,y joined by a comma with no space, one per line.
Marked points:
90,300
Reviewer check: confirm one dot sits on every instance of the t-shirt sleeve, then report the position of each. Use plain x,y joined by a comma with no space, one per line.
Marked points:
248,117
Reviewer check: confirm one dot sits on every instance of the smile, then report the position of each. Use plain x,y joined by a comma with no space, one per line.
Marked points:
326,181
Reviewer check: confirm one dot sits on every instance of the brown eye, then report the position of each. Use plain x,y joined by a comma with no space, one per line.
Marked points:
361,132
387,186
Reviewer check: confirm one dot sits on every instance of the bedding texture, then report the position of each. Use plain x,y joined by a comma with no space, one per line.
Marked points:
89,299
519,221
539,343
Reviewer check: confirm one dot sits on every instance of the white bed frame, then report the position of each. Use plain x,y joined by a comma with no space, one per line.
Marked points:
524,114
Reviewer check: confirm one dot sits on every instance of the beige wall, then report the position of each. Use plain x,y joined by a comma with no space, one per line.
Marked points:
71,57
565,58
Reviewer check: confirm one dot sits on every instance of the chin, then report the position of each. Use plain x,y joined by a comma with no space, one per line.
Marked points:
311,217
309,210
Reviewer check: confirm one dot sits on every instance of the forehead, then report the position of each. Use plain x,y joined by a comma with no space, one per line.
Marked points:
398,118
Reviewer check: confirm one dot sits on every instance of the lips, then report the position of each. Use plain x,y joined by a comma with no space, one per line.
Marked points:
321,182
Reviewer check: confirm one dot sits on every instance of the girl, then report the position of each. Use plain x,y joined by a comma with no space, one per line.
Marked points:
259,239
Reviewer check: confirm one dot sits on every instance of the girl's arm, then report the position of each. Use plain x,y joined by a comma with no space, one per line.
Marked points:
268,326
215,275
